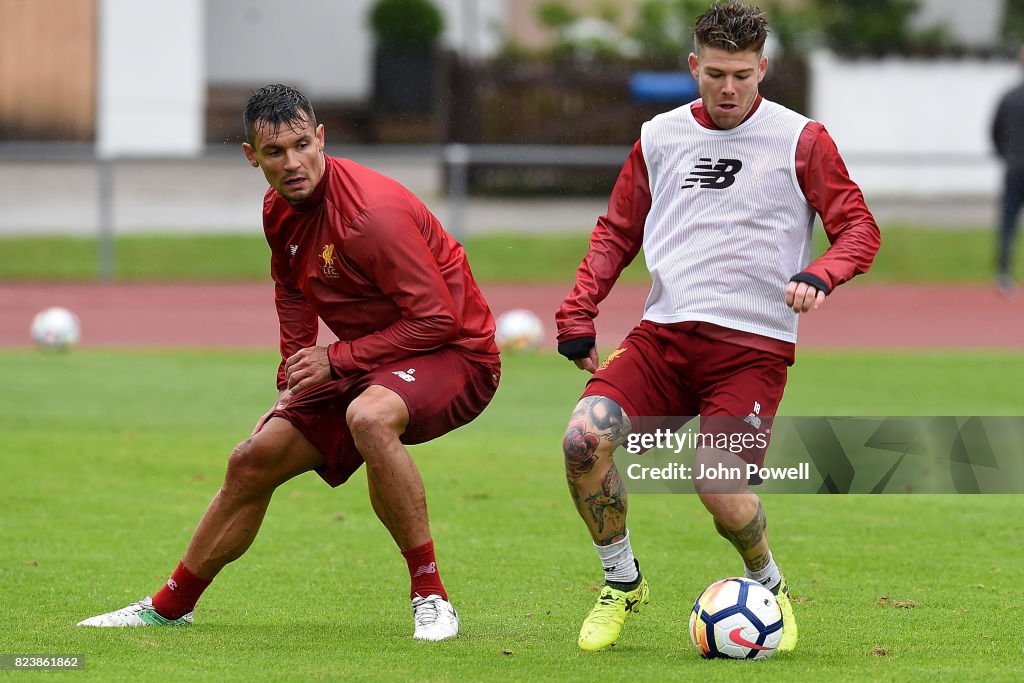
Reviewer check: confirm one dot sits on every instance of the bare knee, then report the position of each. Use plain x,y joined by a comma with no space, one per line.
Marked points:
246,475
368,426
375,423
582,450
732,511
596,427
718,504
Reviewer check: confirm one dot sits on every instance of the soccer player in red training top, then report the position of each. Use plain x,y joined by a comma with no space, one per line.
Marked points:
721,194
416,358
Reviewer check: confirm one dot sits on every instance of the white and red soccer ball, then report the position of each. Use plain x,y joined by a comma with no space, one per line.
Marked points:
736,619
519,330
55,329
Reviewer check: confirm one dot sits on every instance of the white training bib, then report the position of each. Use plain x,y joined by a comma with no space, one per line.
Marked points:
729,224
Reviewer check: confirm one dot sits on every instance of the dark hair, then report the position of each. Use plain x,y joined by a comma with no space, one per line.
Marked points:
275,105
732,27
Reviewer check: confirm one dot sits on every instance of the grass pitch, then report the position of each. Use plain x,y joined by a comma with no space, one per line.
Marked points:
109,458
908,255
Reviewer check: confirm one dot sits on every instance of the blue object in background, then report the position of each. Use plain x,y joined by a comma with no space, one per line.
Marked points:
662,86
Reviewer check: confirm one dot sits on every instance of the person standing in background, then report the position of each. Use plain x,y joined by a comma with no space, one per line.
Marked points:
1008,136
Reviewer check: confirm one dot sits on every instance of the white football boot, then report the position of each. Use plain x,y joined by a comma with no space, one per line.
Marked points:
139,613
435,618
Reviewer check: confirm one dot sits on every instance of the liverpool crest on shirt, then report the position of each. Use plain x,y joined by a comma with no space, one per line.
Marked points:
328,269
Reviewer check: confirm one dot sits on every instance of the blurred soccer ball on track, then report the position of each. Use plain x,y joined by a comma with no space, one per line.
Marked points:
519,330
55,329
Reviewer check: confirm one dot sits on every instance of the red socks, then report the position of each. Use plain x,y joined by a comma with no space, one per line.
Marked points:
423,571
180,594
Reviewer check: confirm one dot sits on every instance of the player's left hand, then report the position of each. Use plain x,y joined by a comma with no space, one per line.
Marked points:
307,368
283,397
803,298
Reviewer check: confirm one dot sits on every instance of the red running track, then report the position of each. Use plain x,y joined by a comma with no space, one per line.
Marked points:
243,315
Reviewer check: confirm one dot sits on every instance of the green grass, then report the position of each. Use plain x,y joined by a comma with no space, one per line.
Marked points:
108,459
908,255
149,257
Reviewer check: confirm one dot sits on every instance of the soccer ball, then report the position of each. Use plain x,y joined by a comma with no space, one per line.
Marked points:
519,330
736,619
55,329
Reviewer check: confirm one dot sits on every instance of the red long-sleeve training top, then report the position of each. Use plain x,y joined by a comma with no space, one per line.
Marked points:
365,255
618,236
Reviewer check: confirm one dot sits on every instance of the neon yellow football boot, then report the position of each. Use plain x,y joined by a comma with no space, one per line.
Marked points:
603,625
789,631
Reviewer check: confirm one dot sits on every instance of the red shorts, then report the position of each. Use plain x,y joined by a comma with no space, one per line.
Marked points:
442,390
664,375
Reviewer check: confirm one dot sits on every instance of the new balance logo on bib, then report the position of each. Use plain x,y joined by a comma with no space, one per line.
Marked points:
713,176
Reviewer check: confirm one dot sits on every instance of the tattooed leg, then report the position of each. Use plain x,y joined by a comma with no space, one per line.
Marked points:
738,513
750,539
596,427
607,508
750,535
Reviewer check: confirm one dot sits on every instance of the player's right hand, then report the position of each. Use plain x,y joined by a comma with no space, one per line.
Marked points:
589,363
582,352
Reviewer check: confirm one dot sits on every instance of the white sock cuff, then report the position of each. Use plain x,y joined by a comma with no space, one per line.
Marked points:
615,547
768,576
617,561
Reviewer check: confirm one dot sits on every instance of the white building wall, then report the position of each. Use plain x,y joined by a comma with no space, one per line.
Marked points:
474,27
977,23
913,127
323,47
152,85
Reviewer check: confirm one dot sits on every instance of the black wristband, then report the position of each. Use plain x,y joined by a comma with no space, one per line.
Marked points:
575,349
813,281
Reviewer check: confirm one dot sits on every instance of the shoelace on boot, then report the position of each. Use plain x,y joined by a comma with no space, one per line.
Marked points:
426,613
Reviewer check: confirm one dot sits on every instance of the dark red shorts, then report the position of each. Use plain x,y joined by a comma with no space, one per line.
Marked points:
442,390
662,373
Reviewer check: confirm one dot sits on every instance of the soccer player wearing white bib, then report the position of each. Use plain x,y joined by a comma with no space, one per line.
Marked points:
721,194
